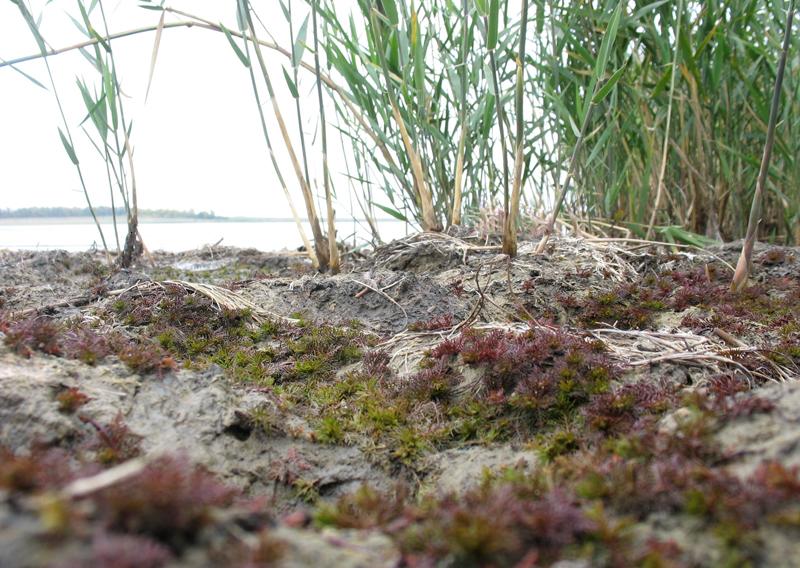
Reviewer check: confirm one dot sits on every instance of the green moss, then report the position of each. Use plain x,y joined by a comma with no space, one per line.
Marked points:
310,367
300,319
167,339
267,330
383,418
695,503
265,419
330,430
592,486
349,354
561,443
475,420
408,445
306,490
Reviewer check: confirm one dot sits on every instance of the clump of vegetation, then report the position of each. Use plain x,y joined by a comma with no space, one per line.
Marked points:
190,328
264,550
145,357
80,342
184,322
545,373
443,321
147,520
70,400
39,470
121,551
114,442
289,468
482,386
375,363
501,524
634,305
612,467
616,412
723,399
33,334
560,443
364,509
85,344
772,305
170,501
330,430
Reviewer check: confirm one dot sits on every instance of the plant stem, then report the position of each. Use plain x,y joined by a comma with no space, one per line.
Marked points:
320,242
510,232
663,170
744,265
455,218
333,249
297,100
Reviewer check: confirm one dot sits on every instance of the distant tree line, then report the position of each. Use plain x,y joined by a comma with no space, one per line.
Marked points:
26,212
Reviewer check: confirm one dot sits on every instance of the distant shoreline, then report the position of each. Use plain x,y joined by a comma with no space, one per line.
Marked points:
68,220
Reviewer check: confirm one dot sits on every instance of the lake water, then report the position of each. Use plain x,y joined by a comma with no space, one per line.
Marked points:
169,235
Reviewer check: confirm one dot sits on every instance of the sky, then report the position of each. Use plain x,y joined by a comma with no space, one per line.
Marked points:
197,138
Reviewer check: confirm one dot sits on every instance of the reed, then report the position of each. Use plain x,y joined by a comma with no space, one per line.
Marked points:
321,249
744,264
510,228
110,137
64,132
661,108
333,249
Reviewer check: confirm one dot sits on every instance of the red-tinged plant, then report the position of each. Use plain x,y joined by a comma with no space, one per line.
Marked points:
555,521
546,373
660,554
497,526
33,334
772,257
367,508
780,483
85,345
146,358
618,411
39,470
457,288
171,500
114,442
375,363
121,551
432,384
444,321
747,407
289,468
482,347
70,400
19,473
725,399
448,348
694,294
268,551
727,385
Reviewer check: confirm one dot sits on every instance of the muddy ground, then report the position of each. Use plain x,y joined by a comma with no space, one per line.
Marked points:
606,403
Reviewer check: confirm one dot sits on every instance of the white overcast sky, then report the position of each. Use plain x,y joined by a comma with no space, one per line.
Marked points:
197,140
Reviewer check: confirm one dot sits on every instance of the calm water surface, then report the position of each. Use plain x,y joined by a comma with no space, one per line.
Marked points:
80,235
